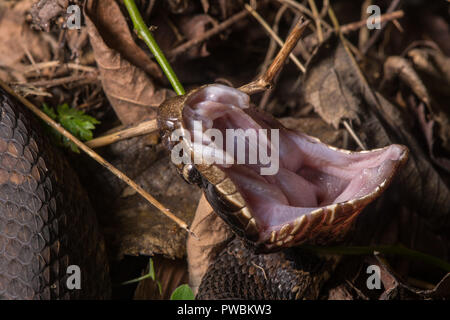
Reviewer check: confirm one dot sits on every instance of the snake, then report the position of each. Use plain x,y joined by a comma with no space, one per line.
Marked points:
50,243
306,192
48,227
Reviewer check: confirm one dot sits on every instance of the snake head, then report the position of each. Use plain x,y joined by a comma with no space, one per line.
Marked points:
275,187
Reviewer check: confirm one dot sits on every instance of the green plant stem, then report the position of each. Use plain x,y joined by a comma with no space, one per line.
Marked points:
145,34
146,276
386,249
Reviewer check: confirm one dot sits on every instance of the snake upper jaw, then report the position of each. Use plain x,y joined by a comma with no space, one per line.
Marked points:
314,196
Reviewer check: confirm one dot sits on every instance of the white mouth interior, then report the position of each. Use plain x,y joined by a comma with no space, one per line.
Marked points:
311,174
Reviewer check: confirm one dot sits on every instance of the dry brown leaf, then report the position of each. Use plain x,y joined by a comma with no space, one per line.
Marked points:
333,99
400,67
131,90
316,127
194,27
213,233
428,127
76,40
17,38
400,289
44,11
434,67
433,63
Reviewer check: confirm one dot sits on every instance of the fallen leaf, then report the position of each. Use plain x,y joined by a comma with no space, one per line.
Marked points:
428,127
130,89
398,67
332,96
213,233
17,38
194,27
44,12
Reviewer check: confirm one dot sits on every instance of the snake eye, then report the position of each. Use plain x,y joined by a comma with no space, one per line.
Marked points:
190,174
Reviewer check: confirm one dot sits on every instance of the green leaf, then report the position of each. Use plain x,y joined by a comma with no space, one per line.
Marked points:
78,123
183,292
151,274
73,120
49,111
151,271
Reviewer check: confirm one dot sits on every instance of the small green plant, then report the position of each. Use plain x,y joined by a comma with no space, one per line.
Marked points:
144,33
151,274
73,120
183,292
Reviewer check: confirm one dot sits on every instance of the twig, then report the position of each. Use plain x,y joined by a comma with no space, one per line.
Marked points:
60,81
140,129
353,134
304,10
265,81
272,45
337,29
398,25
317,19
260,268
274,35
208,34
29,56
324,10
56,63
145,34
383,18
363,34
97,157
271,51
258,85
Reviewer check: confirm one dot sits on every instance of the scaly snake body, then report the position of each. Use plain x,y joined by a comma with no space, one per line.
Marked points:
46,221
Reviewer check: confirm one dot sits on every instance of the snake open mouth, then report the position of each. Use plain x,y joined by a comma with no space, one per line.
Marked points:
317,191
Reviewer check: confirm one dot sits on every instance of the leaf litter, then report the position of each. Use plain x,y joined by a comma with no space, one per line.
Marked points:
396,93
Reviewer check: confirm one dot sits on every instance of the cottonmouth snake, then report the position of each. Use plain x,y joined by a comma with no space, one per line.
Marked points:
308,192
46,221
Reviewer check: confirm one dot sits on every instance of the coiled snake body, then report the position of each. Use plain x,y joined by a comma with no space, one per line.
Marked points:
46,221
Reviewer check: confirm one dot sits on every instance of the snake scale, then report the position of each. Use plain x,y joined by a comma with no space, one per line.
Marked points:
239,273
